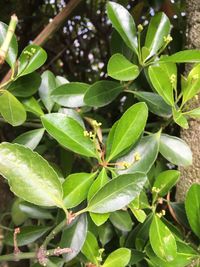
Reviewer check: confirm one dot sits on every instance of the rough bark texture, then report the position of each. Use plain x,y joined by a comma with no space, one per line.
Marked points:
192,135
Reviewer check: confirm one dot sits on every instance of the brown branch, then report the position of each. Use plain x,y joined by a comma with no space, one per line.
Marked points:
51,28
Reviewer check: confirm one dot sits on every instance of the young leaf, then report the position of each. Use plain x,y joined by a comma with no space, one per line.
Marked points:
98,218
69,133
121,220
48,84
74,237
32,105
102,93
142,156
175,150
75,188
90,248
128,129
159,27
30,176
31,59
192,206
25,86
155,103
162,84
30,139
117,193
27,235
121,68
123,22
165,181
11,109
70,94
119,258
180,118
186,56
162,240
13,47
195,113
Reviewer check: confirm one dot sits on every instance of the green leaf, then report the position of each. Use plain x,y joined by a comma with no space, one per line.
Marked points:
162,84
121,68
155,103
13,47
69,133
159,27
18,216
139,214
72,114
117,193
32,105
195,113
123,22
30,176
175,150
192,206
162,241
11,109
90,248
74,237
165,181
98,218
128,129
70,94
30,139
34,212
27,235
121,220
31,59
119,258
142,156
180,119
47,86
192,84
102,93
75,188
186,56
25,86
106,233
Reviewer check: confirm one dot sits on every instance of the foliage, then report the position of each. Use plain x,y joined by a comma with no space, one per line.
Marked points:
107,200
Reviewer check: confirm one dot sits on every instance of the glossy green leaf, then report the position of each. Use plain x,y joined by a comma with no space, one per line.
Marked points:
30,176
162,84
90,248
120,68
72,114
194,113
18,216
98,218
185,56
110,137
142,156
117,193
192,84
32,105
162,241
60,80
119,258
180,213
139,214
165,181
128,129
175,150
34,212
47,86
180,118
106,233
31,59
192,207
142,233
11,109
30,139
185,255
155,103
25,86
123,22
121,220
70,94
68,133
75,188
159,27
74,237
102,93
13,47
136,256
27,235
